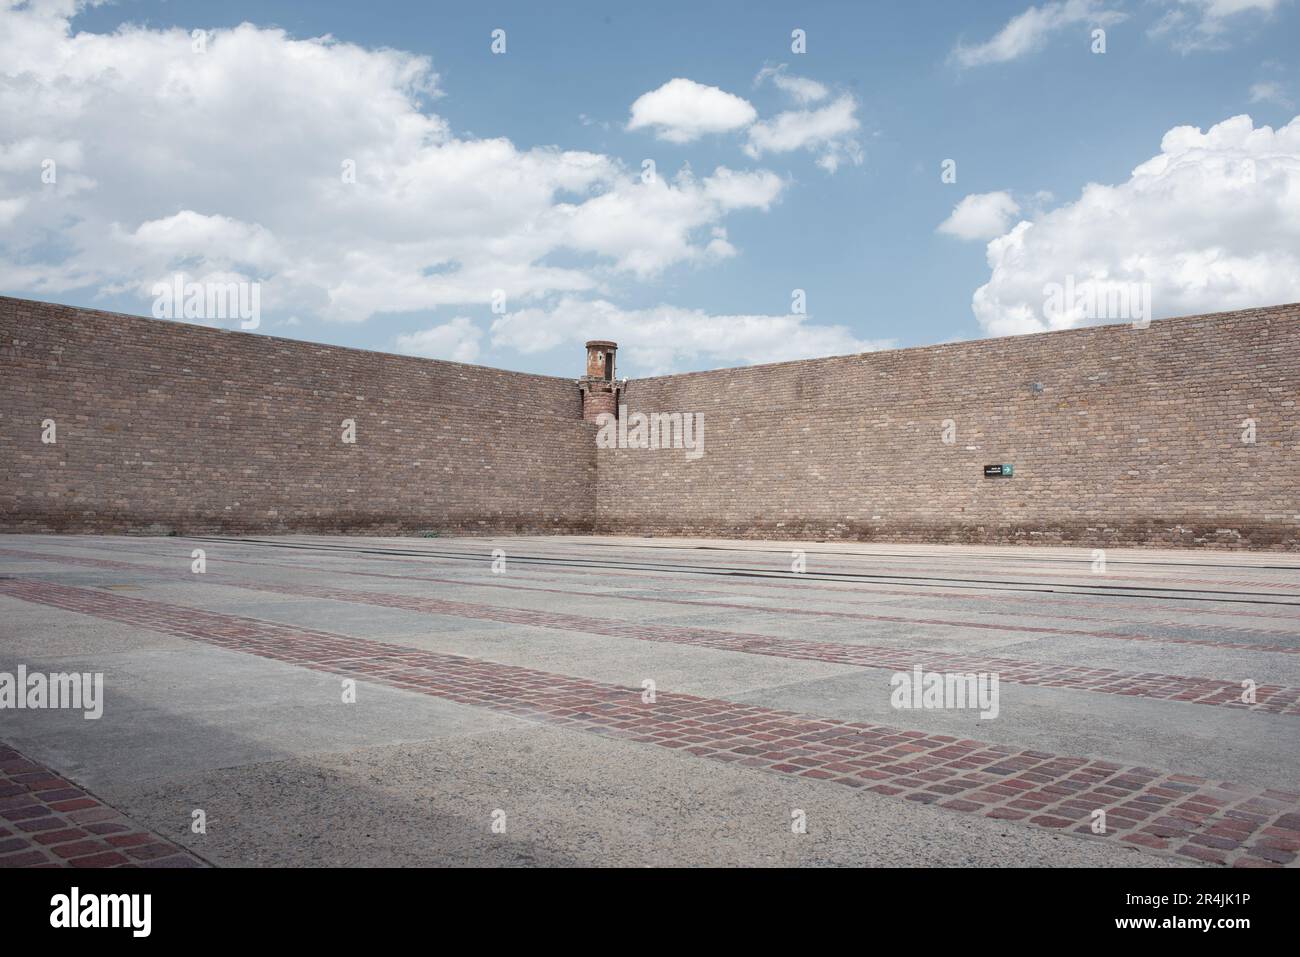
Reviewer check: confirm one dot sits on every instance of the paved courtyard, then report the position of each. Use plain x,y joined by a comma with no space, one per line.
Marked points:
620,701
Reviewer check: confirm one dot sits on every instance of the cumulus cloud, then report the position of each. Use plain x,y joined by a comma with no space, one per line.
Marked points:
314,167
799,88
660,339
457,340
615,223
1191,25
1210,223
682,111
1029,31
981,216
824,130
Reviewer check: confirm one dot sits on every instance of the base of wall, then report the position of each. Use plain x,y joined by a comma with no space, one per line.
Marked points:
333,524
1154,534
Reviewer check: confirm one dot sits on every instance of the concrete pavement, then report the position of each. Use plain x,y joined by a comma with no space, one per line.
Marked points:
502,714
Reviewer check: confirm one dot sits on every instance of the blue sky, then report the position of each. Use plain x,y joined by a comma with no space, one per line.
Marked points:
704,276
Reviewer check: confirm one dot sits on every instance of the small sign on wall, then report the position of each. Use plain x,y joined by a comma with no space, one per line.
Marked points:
999,471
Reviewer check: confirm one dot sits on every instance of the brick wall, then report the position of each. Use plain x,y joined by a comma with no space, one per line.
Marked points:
1135,438
166,427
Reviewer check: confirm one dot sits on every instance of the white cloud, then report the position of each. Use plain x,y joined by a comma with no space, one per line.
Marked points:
981,216
457,340
799,88
1192,25
650,227
1211,223
824,130
1270,92
230,162
682,111
660,339
1028,31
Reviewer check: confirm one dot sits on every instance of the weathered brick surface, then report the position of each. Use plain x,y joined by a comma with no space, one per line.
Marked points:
167,427
1134,439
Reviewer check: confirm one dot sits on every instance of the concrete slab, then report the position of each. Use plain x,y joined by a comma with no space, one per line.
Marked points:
571,801
223,691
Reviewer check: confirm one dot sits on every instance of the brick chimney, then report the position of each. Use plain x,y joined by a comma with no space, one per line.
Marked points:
599,388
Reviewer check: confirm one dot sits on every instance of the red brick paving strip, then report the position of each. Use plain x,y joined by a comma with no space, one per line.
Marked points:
1269,699
47,821
1207,821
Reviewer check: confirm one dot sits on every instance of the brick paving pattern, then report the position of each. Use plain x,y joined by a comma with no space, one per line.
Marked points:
1272,699
47,821
1207,821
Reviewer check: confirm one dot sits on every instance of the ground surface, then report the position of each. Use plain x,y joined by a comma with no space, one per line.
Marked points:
517,697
